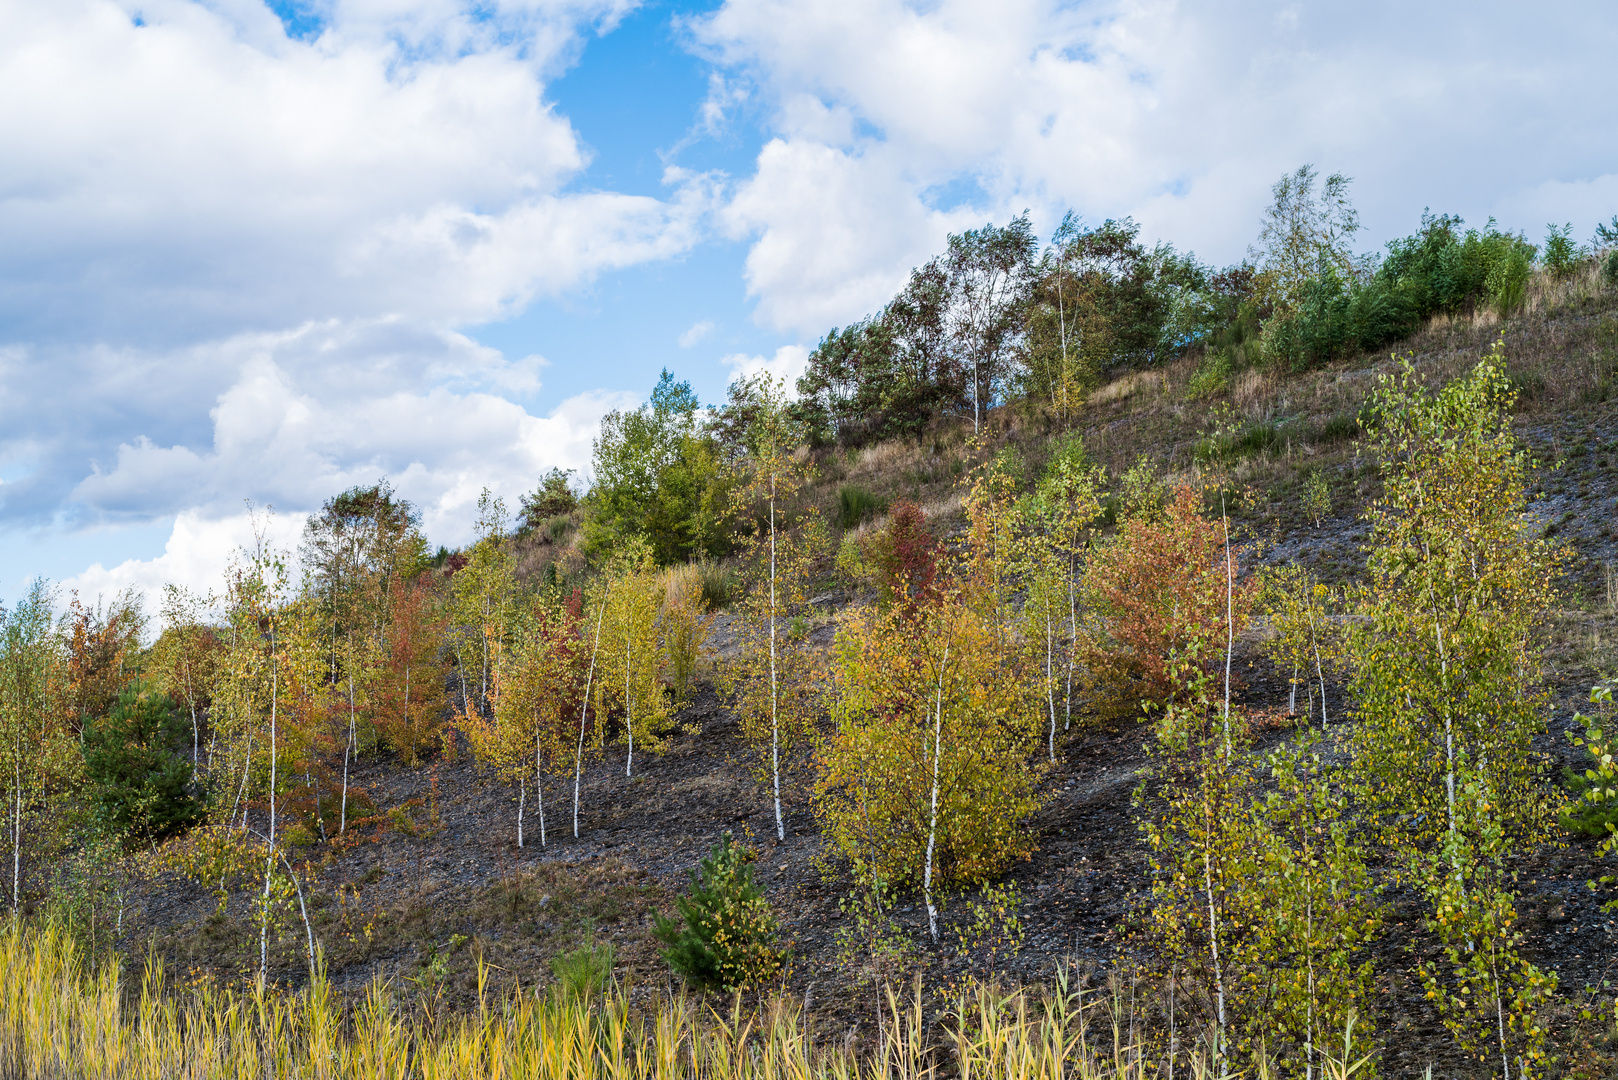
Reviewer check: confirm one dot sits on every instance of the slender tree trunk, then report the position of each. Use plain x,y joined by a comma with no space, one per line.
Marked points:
269,859
1061,324
1213,925
1321,675
275,686
196,735
1309,945
16,832
483,686
1230,618
522,801
1072,639
932,822
1292,700
1050,681
584,711
539,787
629,701
775,720
348,747
1500,1017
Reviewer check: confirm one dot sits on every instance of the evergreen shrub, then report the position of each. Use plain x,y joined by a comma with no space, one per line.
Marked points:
724,938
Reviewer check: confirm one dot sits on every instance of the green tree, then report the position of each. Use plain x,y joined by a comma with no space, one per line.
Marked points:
725,936
1057,519
1304,230
139,777
991,271
1304,639
1195,803
535,693
356,551
774,679
926,778
630,674
1447,676
482,593
660,477
552,498
1304,957
185,658
33,741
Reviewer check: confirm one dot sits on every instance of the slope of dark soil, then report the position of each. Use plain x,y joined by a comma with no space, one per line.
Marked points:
418,896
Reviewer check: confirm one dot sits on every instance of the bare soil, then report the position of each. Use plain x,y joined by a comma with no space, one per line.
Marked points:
420,902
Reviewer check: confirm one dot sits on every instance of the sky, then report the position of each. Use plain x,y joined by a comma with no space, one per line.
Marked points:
254,253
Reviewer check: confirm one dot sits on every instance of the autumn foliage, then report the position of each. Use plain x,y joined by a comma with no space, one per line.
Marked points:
410,686
1162,583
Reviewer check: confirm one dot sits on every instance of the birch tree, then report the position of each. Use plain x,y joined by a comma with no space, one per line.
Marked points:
990,272
629,680
482,591
774,680
31,736
1447,675
1057,519
535,692
185,658
926,777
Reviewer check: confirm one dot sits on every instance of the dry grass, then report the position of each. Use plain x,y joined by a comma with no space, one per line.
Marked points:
58,1019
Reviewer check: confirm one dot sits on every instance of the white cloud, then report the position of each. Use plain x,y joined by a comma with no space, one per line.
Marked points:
838,232
696,333
230,260
787,364
895,123
198,551
174,169
302,419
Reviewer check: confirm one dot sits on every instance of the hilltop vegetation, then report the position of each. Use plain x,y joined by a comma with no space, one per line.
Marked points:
1216,631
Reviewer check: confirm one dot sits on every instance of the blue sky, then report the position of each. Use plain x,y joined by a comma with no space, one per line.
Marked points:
255,253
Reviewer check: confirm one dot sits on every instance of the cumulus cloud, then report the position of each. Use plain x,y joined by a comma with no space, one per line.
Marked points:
311,412
232,261
175,170
894,123
787,364
196,556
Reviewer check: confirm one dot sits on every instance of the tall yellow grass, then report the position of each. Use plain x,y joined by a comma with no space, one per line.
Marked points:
59,1020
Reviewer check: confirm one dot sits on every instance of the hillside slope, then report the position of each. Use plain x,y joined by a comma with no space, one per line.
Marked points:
420,893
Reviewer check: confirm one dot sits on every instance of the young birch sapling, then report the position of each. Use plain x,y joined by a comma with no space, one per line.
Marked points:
1057,519
774,681
1447,666
631,669
535,691
926,779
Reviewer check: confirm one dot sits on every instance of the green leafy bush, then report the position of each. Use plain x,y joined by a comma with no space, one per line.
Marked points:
139,777
1561,253
725,936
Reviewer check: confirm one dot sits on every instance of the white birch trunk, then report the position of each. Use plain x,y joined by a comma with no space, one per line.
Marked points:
578,755
1050,681
775,720
1230,619
629,700
932,824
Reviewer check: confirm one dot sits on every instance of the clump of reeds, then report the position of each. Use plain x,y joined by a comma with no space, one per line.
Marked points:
61,1020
